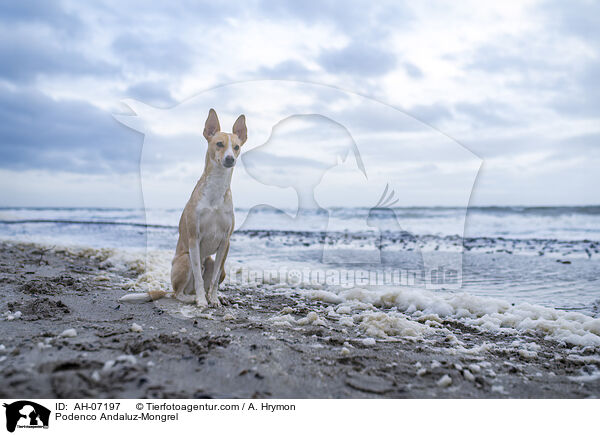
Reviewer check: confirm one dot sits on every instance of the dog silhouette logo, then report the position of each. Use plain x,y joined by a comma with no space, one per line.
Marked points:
354,172
26,414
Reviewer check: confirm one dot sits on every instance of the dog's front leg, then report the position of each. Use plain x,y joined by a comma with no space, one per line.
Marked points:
213,296
196,265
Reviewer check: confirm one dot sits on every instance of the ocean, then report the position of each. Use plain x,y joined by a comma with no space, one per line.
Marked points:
548,256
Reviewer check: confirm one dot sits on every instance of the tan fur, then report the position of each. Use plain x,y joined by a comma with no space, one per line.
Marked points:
207,220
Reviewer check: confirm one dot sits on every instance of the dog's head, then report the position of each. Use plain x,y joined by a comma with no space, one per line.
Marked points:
224,148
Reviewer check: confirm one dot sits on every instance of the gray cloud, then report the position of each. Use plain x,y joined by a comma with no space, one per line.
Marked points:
45,43
502,57
366,24
412,70
390,120
49,13
288,70
37,132
24,58
430,113
535,66
560,149
147,52
371,20
315,11
587,145
153,93
37,38
486,113
576,18
582,98
360,59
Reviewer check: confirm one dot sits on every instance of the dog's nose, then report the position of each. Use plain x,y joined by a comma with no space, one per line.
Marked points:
229,161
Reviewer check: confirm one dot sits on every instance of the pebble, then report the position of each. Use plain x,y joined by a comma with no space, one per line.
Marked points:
346,321
476,368
136,328
444,381
344,310
368,341
68,333
468,375
527,354
498,389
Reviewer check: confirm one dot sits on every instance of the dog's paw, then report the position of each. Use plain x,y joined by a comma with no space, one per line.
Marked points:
201,303
214,302
186,299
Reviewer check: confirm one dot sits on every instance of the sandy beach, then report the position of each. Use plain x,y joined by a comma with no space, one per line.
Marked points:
65,335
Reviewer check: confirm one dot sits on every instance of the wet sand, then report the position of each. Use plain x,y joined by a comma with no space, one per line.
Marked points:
238,351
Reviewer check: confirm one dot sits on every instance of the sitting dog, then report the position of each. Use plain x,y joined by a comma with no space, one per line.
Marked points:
207,221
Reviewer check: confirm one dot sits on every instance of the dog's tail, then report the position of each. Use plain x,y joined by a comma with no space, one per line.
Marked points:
138,298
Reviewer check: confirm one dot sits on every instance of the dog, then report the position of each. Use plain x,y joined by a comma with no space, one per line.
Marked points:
206,223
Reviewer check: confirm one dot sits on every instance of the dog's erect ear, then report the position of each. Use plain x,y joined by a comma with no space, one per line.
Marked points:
239,128
211,126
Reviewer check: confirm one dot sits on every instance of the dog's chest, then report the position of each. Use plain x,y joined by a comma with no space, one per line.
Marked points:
214,225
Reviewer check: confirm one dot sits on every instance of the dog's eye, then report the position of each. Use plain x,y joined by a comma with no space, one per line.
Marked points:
237,147
220,144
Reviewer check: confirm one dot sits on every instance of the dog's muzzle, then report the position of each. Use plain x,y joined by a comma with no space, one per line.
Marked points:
229,162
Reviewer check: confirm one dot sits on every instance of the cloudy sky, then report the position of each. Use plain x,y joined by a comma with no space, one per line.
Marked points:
514,83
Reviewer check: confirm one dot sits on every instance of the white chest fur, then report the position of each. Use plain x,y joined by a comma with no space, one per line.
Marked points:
214,212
